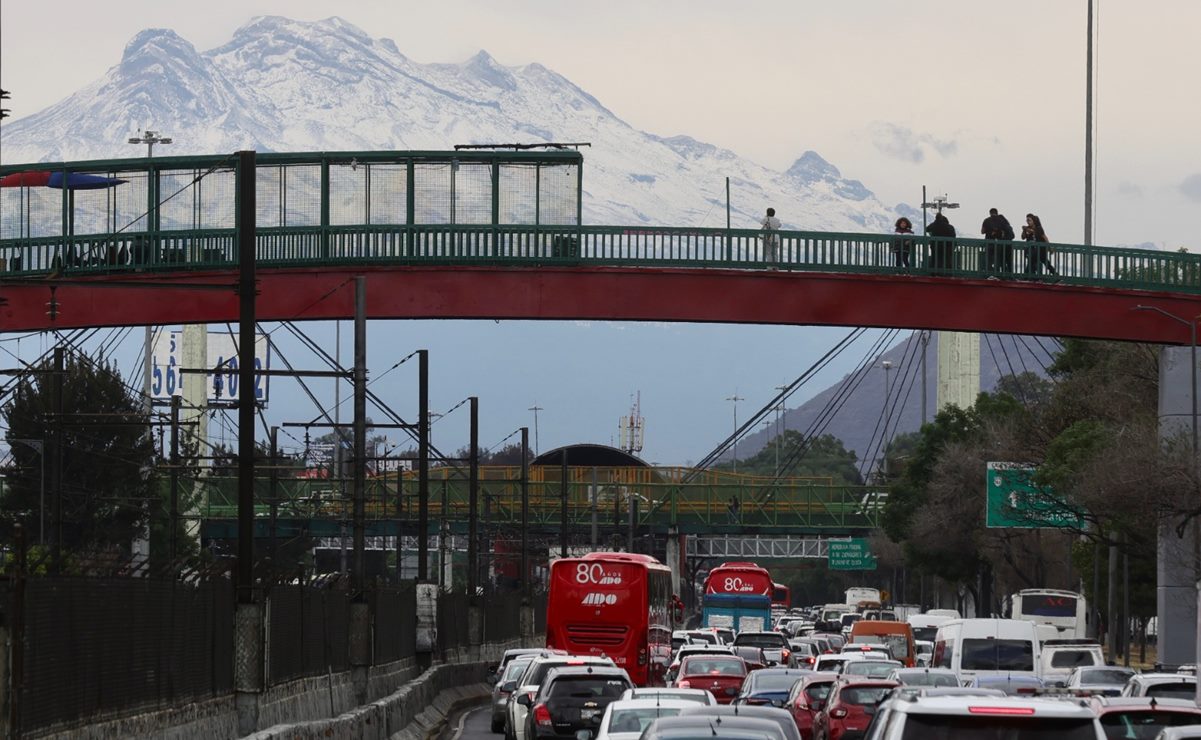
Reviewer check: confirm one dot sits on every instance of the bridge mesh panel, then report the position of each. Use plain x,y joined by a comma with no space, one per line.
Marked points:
557,195
196,199
30,212
122,645
431,193
388,194
473,194
518,194
288,195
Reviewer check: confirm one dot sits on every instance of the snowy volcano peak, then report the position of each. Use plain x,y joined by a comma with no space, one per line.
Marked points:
280,84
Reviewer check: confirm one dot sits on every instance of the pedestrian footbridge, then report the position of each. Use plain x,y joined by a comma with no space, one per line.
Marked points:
499,235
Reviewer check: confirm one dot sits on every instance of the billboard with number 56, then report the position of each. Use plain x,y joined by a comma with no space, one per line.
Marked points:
221,382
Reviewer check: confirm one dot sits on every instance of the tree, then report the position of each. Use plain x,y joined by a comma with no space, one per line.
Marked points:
823,457
103,453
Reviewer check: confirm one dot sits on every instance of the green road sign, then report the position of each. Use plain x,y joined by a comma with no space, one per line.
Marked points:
853,554
1015,502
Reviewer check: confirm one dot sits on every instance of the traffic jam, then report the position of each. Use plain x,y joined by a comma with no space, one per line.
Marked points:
618,665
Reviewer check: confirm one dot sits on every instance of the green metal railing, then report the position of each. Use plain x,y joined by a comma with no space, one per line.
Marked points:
408,208
661,496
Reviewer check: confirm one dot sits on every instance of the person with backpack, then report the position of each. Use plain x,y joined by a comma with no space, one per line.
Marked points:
942,250
998,257
771,239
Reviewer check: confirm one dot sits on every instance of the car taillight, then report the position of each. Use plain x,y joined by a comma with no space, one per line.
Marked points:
838,713
810,659
641,656
1001,710
784,654
542,716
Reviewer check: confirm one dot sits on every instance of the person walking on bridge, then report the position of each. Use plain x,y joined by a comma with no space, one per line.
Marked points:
771,239
998,257
1037,254
902,243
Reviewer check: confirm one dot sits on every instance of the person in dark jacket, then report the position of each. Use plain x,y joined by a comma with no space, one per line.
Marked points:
996,228
1037,253
942,250
902,245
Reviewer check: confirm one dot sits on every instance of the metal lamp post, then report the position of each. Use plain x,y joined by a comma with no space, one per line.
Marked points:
735,398
887,365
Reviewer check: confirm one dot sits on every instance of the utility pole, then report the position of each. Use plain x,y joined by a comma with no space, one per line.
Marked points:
535,408
56,468
525,515
473,505
359,490
273,491
780,416
174,535
247,290
735,398
1088,134
887,365
423,467
925,340
563,507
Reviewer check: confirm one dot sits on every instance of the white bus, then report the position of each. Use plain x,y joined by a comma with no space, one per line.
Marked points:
1065,611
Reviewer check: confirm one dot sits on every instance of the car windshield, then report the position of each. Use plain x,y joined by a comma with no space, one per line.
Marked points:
864,695
924,678
761,640
984,727
1105,676
718,667
706,637
1144,725
1173,690
997,655
515,669
870,668
773,682
636,720
660,694
1072,658
587,687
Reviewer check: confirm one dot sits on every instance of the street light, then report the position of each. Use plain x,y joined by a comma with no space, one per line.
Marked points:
149,138
780,408
940,202
735,398
40,446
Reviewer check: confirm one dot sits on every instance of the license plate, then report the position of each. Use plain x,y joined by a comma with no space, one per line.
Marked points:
588,713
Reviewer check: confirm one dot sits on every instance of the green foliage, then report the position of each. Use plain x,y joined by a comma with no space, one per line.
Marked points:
105,460
824,457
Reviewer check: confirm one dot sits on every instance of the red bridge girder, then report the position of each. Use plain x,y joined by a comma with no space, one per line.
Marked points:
604,294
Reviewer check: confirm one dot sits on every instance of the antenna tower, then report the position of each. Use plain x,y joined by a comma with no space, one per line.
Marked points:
631,428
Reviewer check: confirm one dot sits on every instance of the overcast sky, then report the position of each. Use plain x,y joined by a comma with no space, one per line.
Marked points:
982,101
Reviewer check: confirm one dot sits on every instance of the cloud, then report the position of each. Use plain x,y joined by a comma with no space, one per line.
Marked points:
1191,187
1129,189
903,143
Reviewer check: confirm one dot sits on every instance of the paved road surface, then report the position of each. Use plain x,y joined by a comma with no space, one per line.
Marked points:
472,725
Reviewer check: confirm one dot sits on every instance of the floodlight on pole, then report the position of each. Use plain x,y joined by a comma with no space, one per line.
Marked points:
938,203
535,408
150,138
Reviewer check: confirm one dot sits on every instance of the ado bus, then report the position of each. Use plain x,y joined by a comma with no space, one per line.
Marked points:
781,596
1064,611
613,604
738,596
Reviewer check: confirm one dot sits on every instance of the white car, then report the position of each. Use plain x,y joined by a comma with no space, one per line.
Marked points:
834,663
1170,685
625,719
937,717
697,696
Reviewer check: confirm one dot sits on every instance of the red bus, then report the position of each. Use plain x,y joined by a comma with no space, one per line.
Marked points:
613,604
781,596
737,596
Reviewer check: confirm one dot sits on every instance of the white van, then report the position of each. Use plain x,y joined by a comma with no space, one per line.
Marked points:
973,647
925,626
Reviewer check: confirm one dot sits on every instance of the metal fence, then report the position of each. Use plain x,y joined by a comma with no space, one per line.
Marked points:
94,647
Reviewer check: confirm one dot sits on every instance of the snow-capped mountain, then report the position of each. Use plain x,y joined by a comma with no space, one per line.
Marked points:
285,85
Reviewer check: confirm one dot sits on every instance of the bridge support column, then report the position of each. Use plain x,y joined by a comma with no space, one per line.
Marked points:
674,558
360,649
249,629
1176,573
